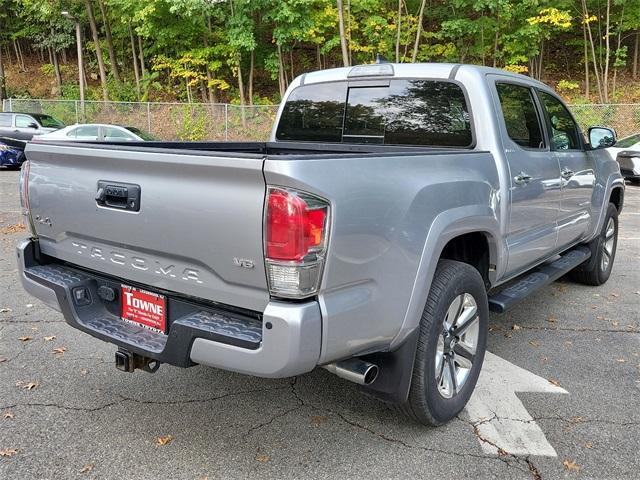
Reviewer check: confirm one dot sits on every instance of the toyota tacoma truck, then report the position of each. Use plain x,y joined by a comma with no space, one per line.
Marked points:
394,207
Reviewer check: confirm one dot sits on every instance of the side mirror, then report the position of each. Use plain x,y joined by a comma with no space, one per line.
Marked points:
33,125
602,137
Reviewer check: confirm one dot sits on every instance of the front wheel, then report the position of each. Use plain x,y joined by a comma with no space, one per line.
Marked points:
597,270
451,344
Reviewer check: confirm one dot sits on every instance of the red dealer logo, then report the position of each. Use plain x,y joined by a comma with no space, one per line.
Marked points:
144,308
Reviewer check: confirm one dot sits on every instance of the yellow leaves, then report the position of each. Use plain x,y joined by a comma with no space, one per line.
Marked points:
8,452
554,382
517,68
587,19
164,440
571,466
263,458
218,83
49,338
7,415
59,350
552,16
87,468
25,338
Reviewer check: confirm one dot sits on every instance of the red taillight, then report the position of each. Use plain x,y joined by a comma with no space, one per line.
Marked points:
294,228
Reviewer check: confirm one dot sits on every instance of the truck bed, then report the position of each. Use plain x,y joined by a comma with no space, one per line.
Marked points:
271,150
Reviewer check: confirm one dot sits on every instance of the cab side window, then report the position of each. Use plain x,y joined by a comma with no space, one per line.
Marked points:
520,115
565,134
5,119
22,121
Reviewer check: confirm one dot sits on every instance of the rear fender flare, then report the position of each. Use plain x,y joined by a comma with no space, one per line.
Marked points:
446,226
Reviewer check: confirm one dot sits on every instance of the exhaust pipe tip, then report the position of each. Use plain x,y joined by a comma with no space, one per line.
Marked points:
371,374
355,370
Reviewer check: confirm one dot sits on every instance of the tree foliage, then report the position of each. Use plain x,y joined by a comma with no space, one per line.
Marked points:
214,50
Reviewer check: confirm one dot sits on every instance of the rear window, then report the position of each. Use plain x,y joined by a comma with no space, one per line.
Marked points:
404,112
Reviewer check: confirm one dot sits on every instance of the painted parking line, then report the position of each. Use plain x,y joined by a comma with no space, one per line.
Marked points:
501,420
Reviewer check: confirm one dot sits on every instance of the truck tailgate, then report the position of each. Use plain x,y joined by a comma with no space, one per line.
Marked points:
198,230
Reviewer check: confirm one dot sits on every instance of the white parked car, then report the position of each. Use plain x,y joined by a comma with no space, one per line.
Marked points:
627,152
95,132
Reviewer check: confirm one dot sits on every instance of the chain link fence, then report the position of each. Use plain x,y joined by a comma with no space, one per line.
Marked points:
222,121
165,121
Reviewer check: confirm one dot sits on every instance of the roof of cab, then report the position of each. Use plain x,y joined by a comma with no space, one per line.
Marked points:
414,70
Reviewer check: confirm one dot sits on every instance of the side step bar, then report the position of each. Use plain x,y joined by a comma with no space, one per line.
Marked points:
537,279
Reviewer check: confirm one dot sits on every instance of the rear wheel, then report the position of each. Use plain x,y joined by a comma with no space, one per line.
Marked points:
597,270
451,344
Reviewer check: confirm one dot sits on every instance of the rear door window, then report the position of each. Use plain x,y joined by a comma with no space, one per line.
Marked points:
520,115
5,119
22,121
86,132
404,112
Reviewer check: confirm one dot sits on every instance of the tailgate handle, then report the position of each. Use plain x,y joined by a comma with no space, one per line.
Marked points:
122,196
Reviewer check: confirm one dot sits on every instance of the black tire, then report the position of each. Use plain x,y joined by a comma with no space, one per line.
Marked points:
596,271
426,404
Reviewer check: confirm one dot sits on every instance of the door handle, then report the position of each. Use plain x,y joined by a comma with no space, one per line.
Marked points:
566,173
522,178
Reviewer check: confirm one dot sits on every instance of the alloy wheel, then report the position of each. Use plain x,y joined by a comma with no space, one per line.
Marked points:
607,245
456,349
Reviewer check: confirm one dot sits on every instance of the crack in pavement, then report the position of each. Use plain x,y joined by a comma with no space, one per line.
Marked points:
579,330
124,399
402,443
503,454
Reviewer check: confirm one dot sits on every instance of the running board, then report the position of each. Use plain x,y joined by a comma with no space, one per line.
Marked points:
538,278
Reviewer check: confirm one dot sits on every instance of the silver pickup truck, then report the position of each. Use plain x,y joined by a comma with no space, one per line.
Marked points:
393,208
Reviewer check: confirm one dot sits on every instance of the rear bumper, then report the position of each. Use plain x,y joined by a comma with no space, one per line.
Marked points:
283,341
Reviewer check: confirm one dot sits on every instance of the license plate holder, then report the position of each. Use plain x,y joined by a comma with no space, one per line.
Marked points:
143,308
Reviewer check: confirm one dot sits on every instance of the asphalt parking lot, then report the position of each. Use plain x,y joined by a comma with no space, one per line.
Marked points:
66,412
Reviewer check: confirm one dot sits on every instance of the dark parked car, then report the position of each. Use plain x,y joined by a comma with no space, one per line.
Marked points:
23,126
11,153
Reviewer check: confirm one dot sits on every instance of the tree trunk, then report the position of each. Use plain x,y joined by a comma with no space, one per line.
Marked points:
587,90
615,61
398,29
636,54
318,57
107,32
419,32
251,69
291,62
3,84
56,68
343,38
205,41
281,80
64,56
18,57
241,91
141,56
607,47
593,53
136,71
96,41
495,48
